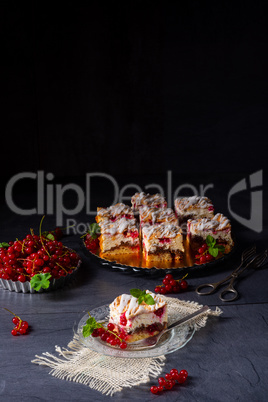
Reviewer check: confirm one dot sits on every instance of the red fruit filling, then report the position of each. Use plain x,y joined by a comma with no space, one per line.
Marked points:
164,240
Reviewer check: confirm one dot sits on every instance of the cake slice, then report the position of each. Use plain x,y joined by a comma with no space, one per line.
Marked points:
162,242
134,321
153,216
114,212
219,227
194,207
139,200
118,237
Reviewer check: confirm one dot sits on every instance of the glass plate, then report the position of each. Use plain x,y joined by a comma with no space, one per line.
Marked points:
175,339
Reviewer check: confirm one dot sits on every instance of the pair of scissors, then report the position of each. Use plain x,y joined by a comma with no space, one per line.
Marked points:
248,258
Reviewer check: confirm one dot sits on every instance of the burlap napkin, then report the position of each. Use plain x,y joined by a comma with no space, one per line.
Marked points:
108,374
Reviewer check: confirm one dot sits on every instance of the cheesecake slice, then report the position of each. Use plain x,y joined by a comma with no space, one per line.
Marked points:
134,321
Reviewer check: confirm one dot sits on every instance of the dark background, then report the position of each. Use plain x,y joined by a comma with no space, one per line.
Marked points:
135,87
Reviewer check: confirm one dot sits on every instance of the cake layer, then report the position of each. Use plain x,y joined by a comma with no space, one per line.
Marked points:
152,200
114,212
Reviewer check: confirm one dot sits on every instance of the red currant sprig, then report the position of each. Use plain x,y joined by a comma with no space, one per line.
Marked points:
170,285
21,327
203,255
169,380
110,336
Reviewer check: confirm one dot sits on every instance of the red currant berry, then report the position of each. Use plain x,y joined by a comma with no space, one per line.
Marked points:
204,247
181,378
21,278
173,283
22,331
24,324
123,345
184,285
154,389
200,250
209,257
110,326
168,277
169,384
104,337
176,289
163,290
202,259
95,333
168,288
160,388
16,320
14,332
101,331
161,381
184,372
168,376
174,371
157,289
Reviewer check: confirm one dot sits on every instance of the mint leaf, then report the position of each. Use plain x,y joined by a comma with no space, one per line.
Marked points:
213,251
94,230
141,295
221,249
39,281
91,324
210,241
135,292
149,299
4,244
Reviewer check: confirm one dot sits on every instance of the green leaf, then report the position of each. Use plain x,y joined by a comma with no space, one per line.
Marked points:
149,299
213,251
4,244
39,281
141,295
48,235
91,324
94,230
135,292
210,241
89,327
221,248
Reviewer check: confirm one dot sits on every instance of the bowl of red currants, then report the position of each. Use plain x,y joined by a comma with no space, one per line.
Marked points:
37,263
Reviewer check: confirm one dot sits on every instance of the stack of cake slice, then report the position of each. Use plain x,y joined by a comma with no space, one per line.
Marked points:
219,227
119,230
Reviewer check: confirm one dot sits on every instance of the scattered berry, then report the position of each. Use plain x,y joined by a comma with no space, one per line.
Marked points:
170,380
170,285
21,327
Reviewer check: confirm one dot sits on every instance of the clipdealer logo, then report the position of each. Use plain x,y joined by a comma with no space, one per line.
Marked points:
51,197
255,222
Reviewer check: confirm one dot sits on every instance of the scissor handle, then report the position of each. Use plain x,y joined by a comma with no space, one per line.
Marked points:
214,286
229,294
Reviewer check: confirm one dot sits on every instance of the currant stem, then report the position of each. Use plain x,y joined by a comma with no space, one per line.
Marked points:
10,311
40,235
